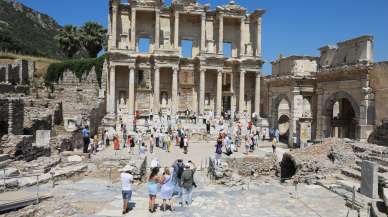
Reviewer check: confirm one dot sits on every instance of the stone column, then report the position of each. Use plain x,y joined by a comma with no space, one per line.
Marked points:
174,95
219,93
176,30
242,33
257,94
258,42
131,90
202,91
156,90
133,29
221,34
157,29
114,25
112,90
203,32
10,116
241,102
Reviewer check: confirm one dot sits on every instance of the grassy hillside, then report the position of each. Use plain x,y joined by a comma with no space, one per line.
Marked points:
25,31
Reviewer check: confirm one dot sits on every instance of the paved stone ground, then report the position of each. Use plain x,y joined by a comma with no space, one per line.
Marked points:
97,197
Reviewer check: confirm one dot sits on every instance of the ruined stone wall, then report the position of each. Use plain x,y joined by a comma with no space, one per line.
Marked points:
12,115
80,99
379,84
15,73
294,65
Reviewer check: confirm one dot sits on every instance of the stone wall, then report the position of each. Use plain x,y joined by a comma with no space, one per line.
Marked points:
11,116
295,65
80,100
379,84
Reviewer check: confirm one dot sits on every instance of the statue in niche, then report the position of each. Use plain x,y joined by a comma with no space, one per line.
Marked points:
164,98
248,49
210,46
122,97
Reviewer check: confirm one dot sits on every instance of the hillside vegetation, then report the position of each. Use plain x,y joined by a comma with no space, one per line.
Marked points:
25,31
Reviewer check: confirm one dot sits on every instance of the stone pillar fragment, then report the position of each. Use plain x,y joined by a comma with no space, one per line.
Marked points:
114,25
219,93
258,40
369,179
257,94
176,30
202,91
241,102
133,29
156,90
131,91
112,90
221,35
174,92
157,29
203,32
242,33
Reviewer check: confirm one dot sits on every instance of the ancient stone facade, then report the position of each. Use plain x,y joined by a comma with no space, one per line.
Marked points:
162,79
327,96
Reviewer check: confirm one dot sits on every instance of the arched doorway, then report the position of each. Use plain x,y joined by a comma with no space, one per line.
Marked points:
281,113
342,114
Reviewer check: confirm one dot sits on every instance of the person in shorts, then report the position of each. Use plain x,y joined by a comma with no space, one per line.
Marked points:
126,185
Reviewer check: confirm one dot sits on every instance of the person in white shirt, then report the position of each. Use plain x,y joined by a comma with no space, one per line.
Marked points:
155,163
126,186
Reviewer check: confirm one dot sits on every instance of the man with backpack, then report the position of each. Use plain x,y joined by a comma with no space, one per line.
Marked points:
187,182
177,176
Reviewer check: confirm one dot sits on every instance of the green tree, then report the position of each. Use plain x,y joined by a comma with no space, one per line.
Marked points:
69,40
93,37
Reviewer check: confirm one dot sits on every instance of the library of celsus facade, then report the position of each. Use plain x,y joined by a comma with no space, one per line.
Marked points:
170,59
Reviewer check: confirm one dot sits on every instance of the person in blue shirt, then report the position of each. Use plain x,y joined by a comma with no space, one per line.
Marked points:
86,137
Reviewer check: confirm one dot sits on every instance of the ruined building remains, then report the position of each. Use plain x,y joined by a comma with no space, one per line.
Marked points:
333,95
186,56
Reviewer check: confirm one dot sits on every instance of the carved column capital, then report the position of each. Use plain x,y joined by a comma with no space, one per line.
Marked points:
175,68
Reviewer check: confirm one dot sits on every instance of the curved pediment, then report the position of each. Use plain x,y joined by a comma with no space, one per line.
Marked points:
232,8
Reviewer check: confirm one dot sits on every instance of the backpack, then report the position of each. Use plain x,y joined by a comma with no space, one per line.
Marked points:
180,171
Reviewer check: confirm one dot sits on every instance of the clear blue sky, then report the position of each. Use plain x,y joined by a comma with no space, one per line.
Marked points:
289,27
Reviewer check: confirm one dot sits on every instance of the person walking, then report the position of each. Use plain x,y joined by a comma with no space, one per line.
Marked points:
86,138
167,189
218,151
128,144
185,145
208,126
274,145
152,186
277,133
151,143
188,183
126,186
116,144
247,144
124,134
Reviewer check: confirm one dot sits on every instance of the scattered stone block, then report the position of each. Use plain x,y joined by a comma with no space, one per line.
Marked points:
4,157
369,179
8,172
74,158
43,138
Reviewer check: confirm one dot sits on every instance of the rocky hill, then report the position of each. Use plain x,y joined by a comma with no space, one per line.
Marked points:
24,30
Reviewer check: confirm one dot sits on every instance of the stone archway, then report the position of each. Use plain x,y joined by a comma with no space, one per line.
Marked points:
342,114
281,115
